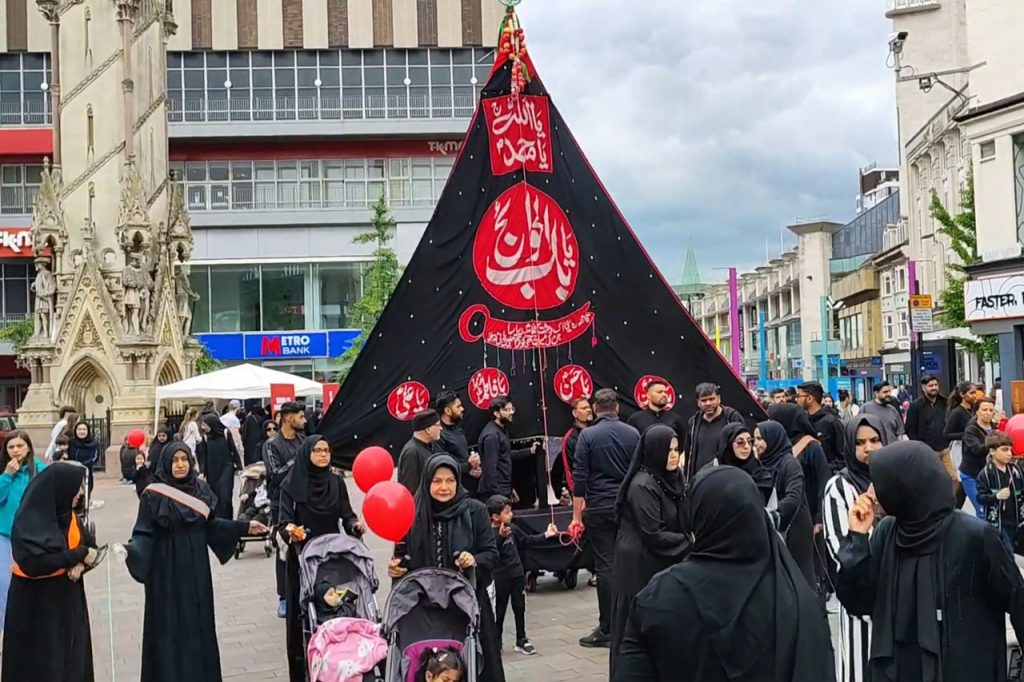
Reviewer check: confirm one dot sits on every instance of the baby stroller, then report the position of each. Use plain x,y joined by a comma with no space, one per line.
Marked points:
430,607
254,505
345,565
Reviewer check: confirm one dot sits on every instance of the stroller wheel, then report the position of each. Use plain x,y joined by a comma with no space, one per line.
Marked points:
268,549
239,548
531,582
570,578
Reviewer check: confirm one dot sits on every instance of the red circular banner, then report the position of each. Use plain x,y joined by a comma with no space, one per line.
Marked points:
572,382
525,253
640,391
407,399
485,385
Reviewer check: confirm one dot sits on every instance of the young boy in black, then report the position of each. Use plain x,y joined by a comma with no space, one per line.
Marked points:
1001,489
509,578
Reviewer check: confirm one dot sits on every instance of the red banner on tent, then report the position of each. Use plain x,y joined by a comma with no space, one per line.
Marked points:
330,390
279,395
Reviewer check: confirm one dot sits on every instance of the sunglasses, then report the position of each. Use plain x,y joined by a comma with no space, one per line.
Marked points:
271,429
743,441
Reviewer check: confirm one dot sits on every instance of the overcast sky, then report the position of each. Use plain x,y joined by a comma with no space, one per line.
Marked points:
720,121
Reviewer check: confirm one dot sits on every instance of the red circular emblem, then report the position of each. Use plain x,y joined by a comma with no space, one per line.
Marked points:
486,384
640,391
572,382
525,254
407,399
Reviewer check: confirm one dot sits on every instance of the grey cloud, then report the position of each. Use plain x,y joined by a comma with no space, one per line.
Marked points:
720,121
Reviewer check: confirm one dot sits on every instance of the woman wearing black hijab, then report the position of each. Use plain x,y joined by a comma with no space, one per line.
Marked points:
315,500
169,553
736,449
217,462
864,435
46,631
653,532
790,514
452,530
736,608
807,450
936,583
84,449
160,441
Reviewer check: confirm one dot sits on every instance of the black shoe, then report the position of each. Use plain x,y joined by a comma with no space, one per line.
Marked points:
596,640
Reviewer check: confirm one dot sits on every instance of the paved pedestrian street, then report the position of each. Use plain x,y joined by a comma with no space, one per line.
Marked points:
252,637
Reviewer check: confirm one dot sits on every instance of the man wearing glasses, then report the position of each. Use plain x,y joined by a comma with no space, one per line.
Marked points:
496,453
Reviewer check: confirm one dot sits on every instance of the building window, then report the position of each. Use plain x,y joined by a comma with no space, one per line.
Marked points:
887,284
199,276
235,307
19,184
339,287
327,84
15,278
23,101
901,279
904,328
284,296
888,328
987,150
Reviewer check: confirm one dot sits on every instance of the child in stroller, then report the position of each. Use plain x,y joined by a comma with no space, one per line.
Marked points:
254,505
441,665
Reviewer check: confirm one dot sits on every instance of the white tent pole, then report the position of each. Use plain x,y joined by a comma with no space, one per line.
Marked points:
156,416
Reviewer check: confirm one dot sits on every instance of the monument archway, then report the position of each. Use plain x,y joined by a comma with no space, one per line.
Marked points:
88,387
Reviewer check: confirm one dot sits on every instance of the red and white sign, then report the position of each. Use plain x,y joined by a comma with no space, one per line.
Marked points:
407,399
15,242
573,382
519,129
640,391
487,384
525,253
279,395
524,335
330,391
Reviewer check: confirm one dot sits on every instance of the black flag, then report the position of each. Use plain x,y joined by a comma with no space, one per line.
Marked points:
527,281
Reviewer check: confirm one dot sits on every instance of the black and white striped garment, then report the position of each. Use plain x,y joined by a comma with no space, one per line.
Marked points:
854,632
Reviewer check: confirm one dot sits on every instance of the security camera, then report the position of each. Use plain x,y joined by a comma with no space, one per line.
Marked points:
896,42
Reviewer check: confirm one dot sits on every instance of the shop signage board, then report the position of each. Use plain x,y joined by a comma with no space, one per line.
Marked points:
291,345
994,298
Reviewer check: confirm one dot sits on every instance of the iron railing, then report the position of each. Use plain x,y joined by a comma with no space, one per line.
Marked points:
369,107
25,112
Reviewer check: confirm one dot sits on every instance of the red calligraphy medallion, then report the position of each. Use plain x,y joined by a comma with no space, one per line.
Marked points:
407,399
487,384
640,391
519,130
572,382
525,253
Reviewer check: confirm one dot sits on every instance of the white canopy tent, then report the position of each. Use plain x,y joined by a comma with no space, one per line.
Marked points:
238,382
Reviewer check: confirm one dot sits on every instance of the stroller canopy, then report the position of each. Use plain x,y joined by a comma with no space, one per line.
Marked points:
439,588
351,566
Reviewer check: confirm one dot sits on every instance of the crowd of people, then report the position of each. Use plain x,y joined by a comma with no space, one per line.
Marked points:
719,544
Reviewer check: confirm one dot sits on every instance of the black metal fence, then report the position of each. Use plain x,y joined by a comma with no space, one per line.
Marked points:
100,428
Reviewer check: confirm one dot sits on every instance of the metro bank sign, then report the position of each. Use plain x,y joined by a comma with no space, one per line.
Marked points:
278,345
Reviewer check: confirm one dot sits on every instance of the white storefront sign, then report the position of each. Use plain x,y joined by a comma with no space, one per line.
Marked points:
994,298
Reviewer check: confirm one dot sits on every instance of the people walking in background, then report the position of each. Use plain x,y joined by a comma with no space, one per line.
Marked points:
961,410
656,411
20,465
253,435
825,420
496,453
864,436
604,451
126,456
156,448
68,417
189,432
975,451
700,442
426,432
278,455
233,425
926,422
1001,489
847,408
887,413
63,445
778,395
218,460
84,449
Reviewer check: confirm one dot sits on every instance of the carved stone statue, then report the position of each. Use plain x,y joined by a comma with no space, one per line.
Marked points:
184,297
136,299
45,287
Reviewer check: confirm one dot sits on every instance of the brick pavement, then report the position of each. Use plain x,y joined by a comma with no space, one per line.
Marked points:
252,637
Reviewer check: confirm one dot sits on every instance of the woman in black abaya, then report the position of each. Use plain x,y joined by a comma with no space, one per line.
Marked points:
452,530
169,554
46,631
736,449
736,608
314,499
790,514
653,531
217,461
924,560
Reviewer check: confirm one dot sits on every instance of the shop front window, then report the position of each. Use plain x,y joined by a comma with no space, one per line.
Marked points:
284,296
199,280
340,287
235,299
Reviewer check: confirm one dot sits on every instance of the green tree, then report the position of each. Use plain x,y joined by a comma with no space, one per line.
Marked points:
17,333
963,239
206,363
379,280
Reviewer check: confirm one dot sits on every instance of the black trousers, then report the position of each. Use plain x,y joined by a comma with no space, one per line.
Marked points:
514,590
279,564
600,532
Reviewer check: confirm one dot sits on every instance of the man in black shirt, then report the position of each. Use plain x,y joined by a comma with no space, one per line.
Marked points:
561,470
278,456
604,451
496,454
453,439
825,420
657,411
700,442
926,422
415,453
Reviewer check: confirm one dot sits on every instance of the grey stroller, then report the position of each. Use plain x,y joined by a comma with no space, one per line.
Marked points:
340,561
430,607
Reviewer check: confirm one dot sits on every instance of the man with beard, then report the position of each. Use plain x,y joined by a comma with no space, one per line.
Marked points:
496,453
825,420
561,469
426,433
657,411
926,422
453,439
278,456
886,410
700,442
778,396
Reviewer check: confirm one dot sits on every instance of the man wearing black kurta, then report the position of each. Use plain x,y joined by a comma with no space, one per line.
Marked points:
657,412
426,432
453,439
700,442
496,453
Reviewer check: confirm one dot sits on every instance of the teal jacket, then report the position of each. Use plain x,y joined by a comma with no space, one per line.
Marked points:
12,488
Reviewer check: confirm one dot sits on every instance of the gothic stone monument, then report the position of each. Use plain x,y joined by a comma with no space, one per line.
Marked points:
110,232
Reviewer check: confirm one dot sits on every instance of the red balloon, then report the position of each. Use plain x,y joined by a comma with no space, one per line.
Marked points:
1015,430
372,466
136,438
388,510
